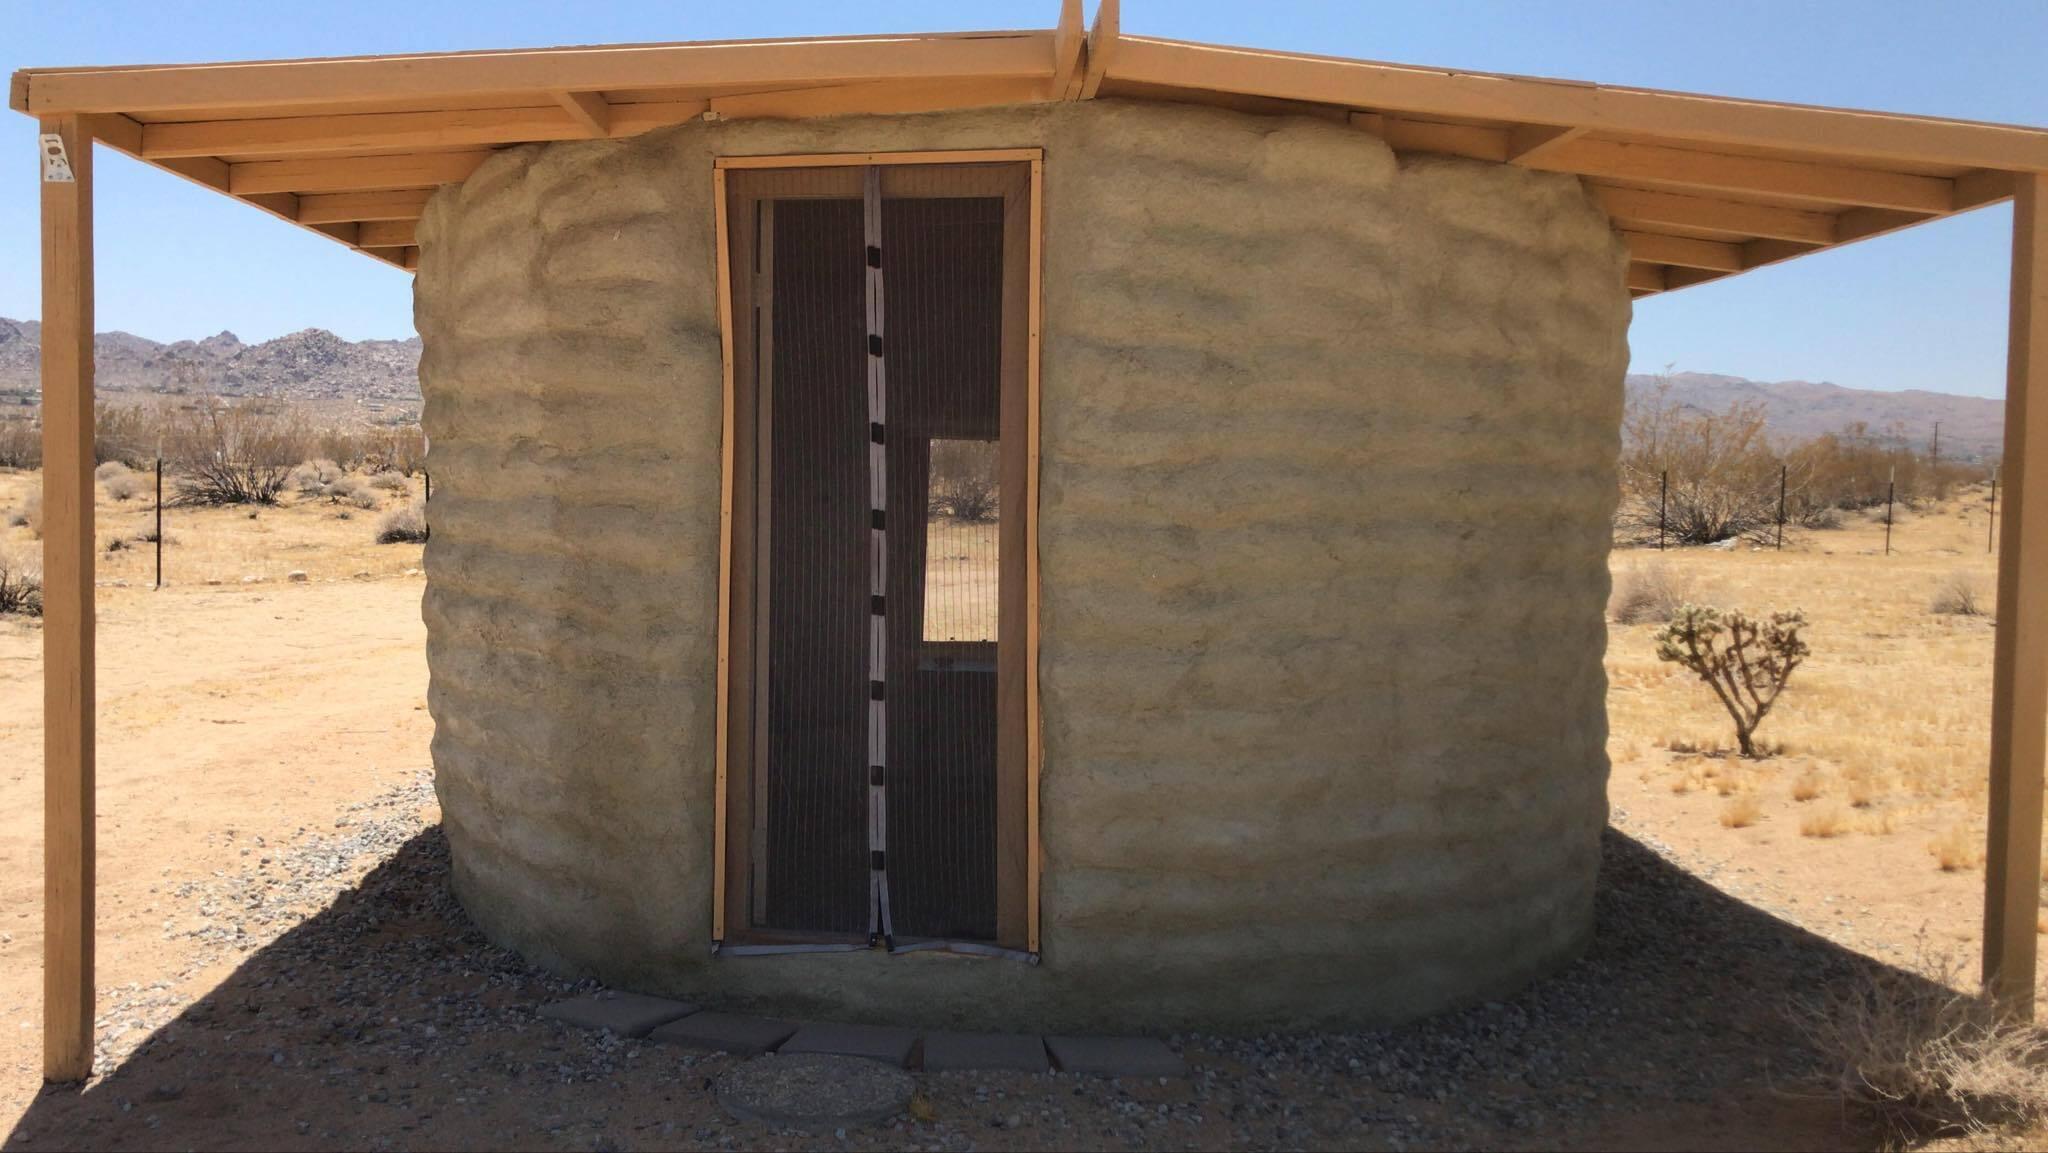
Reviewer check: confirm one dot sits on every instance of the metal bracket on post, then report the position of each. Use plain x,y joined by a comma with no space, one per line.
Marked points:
56,162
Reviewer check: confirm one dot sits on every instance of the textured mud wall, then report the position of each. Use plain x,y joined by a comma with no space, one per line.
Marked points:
1328,461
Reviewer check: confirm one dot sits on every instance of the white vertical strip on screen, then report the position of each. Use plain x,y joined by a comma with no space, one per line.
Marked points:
878,588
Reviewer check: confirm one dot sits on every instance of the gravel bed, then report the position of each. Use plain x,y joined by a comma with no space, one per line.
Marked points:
368,1013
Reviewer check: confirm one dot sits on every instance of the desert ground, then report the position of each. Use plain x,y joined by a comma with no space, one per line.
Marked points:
281,965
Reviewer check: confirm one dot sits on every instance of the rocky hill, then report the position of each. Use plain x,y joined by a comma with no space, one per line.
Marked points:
1971,426
311,365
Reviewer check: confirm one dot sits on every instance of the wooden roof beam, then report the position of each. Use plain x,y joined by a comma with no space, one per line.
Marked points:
195,88
880,99
353,173
1728,172
1402,134
1645,209
387,233
1069,52
333,207
1645,276
1529,142
343,135
1704,120
1684,251
589,109
1103,42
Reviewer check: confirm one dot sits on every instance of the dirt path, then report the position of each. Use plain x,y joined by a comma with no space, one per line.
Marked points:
231,718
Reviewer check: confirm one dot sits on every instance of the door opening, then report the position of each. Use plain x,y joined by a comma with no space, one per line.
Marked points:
876,784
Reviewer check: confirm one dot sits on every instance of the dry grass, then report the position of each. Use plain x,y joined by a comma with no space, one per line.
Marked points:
1910,1053
1806,787
218,545
1958,596
406,525
1957,849
1830,821
1648,593
1741,812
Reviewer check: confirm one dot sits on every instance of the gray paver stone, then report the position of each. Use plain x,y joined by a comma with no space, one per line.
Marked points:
627,1014
1116,1056
740,1036
945,1052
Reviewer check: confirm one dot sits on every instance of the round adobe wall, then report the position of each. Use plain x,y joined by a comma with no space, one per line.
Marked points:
1328,452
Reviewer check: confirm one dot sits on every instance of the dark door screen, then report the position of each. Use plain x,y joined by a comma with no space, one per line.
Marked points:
876,773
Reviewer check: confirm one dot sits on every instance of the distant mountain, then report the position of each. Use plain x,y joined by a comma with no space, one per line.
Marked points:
313,364
1972,427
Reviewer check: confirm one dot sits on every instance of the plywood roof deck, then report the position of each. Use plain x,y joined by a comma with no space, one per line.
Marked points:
1701,187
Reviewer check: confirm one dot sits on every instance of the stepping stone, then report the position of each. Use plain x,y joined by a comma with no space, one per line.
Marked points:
876,1043
944,1052
627,1014
1115,1056
814,1091
725,1032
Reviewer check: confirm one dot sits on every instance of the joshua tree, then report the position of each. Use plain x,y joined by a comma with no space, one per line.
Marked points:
1746,662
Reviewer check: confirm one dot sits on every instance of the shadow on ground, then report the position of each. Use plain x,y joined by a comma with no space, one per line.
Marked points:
387,1021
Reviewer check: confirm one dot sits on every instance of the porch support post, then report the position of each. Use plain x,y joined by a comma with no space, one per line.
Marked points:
2019,684
67,602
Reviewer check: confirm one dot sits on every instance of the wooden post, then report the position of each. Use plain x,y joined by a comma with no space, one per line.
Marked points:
2019,678
67,601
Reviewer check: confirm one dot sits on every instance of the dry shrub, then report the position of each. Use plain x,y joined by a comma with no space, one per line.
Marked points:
1723,472
1957,849
1741,812
389,481
965,476
312,477
122,485
1647,593
1958,596
21,443
31,514
1866,789
1908,1052
109,468
1806,786
21,586
1832,821
234,453
406,524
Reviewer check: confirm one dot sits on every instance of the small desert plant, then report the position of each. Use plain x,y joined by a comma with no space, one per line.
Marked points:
1741,812
312,477
241,453
31,514
1648,592
1746,662
389,481
21,587
21,444
406,524
1805,787
1826,822
1958,596
1957,850
123,485
965,479
1909,1052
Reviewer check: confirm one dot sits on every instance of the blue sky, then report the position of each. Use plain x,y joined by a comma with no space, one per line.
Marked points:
1925,309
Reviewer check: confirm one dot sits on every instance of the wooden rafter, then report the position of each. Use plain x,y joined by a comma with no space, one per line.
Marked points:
1727,172
890,98
1684,251
589,109
1529,142
335,207
1069,47
353,173
1635,207
313,135
1103,41
385,234
1646,277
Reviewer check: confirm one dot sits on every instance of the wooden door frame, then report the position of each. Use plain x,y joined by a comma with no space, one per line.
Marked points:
1017,898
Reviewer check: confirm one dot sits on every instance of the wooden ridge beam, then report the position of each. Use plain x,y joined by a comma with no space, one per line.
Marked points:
311,135
1104,40
354,173
430,76
1684,251
1705,121
1643,208
1728,172
336,207
880,99
1069,51
589,109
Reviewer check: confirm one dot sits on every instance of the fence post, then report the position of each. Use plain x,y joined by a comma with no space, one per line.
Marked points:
427,477
1663,497
1781,508
1891,489
1991,534
159,522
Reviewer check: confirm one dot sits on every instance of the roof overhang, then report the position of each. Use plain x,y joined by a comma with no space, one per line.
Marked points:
1701,187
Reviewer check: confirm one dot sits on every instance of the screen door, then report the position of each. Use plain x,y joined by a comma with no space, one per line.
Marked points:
878,582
